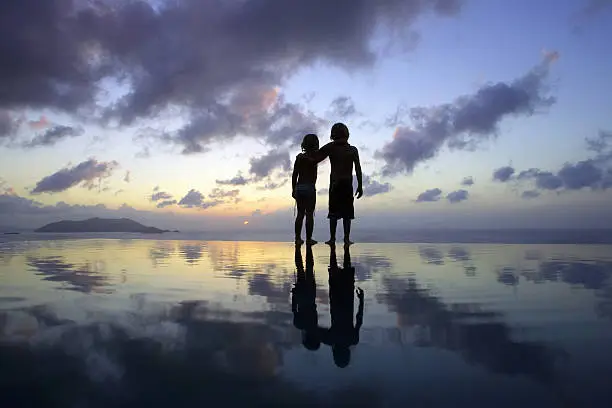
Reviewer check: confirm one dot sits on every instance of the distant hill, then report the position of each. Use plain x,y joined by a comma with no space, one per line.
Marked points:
100,225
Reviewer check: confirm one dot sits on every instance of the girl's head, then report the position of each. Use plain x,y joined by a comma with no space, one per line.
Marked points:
310,143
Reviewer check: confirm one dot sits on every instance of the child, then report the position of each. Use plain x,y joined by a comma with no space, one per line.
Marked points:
342,157
303,188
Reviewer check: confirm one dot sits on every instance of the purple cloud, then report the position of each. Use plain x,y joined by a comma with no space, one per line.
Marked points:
160,195
464,122
457,196
503,174
86,173
258,44
166,203
429,196
263,166
195,199
530,194
467,181
53,136
238,180
342,108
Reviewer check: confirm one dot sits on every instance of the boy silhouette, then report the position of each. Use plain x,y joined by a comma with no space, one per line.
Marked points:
342,157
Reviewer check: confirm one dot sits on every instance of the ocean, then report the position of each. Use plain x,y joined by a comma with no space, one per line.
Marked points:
497,236
158,321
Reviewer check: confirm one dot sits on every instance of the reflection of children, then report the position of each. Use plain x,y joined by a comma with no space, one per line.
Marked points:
303,188
303,301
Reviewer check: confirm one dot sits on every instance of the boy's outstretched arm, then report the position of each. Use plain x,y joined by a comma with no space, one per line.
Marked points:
359,316
359,191
323,152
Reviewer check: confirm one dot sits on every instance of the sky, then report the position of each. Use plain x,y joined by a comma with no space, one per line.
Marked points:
189,113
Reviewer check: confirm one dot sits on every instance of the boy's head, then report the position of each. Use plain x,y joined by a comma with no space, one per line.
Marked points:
310,340
339,131
342,356
310,143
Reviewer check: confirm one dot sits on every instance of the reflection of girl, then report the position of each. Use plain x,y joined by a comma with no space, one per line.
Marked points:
303,190
303,301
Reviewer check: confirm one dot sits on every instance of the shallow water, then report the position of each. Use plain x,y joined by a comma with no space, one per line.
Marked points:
107,322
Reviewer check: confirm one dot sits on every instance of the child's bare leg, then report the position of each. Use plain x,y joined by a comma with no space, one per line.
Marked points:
299,220
346,222
309,229
333,224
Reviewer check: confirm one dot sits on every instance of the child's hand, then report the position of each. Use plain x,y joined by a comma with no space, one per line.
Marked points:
293,194
359,292
359,192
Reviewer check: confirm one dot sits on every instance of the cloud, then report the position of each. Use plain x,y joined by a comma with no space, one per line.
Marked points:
544,180
503,174
195,199
5,188
258,43
590,9
8,124
571,176
166,203
263,166
465,122
160,195
457,196
54,135
273,185
256,213
85,173
373,187
41,123
467,181
238,180
530,194
593,173
218,193
429,196
27,213
127,178
342,108
119,191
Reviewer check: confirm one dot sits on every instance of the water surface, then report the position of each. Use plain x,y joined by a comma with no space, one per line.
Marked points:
123,322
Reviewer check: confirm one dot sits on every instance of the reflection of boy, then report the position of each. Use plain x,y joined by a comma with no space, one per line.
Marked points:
342,157
342,334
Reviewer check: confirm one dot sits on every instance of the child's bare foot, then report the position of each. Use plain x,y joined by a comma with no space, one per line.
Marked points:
311,242
348,242
299,241
331,242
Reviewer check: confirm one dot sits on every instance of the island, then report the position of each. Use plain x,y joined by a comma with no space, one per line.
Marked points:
100,225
